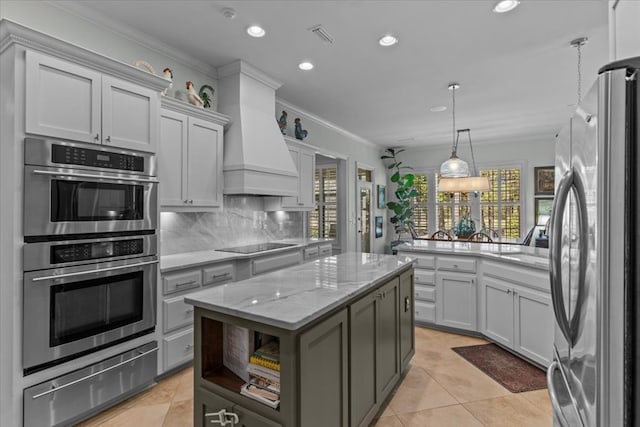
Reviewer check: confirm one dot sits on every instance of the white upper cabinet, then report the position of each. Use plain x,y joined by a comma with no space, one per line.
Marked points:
129,115
305,161
64,99
190,157
70,101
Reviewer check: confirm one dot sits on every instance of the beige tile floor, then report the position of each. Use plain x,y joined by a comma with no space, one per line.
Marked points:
440,389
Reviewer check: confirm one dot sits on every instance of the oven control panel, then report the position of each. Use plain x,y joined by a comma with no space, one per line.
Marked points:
61,254
70,155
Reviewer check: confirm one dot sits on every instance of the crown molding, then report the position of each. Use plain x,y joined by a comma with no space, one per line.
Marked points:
201,113
80,10
327,124
240,66
14,33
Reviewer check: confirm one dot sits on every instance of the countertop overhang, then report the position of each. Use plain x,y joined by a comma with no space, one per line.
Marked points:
523,255
296,296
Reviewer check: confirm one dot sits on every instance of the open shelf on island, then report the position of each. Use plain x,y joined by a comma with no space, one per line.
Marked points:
218,341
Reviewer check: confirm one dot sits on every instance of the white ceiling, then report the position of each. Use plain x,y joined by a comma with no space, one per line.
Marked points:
517,72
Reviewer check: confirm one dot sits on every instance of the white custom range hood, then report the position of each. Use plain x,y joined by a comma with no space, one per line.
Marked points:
256,158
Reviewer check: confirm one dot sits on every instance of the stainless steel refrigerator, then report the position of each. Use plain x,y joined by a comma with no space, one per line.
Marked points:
593,249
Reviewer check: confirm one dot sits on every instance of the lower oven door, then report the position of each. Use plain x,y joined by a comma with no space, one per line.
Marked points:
72,311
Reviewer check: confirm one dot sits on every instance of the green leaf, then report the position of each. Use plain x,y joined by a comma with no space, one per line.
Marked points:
408,180
386,157
395,177
413,193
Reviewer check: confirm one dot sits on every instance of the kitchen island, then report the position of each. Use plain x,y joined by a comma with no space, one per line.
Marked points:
344,325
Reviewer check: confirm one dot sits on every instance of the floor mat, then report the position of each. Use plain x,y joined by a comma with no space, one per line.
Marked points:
513,373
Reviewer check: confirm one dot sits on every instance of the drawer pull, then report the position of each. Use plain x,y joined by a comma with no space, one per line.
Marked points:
455,265
190,282
217,276
223,417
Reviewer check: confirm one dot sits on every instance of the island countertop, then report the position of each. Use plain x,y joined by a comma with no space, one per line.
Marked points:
293,297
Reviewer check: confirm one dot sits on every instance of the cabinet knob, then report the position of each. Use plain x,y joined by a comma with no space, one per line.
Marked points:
508,291
190,202
185,201
108,138
97,137
300,204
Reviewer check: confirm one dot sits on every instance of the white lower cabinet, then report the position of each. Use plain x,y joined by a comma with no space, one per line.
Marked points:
177,349
518,318
456,300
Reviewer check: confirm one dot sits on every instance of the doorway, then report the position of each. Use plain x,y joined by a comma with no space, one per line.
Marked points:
364,191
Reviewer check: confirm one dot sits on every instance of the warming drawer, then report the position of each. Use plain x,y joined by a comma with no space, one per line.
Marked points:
72,397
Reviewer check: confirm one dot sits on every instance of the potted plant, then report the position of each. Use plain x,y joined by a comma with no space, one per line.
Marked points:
465,227
404,192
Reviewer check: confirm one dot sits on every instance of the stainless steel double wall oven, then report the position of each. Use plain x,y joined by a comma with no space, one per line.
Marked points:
90,270
90,253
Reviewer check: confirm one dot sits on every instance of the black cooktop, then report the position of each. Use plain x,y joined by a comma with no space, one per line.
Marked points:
260,247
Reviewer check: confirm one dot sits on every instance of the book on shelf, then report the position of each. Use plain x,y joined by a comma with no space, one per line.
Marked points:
260,394
238,348
263,372
265,383
256,360
269,351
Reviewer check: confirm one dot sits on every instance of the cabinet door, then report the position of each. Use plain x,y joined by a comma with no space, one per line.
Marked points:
362,359
534,325
388,339
324,363
292,201
456,300
407,318
64,99
130,115
306,172
247,418
172,154
204,163
497,316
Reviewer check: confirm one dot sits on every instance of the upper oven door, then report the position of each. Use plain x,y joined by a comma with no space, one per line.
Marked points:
75,201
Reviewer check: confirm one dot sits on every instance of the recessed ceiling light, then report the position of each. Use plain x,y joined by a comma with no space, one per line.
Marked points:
438,109
505,6
305,66
387,40
256,31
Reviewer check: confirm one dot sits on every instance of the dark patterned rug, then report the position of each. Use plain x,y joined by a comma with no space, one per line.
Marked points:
510,371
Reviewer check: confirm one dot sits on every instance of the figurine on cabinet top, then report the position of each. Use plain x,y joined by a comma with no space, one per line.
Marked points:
206,99
300,133
282,123
193,97
168,75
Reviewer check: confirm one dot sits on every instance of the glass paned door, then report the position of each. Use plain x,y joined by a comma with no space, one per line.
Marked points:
364,217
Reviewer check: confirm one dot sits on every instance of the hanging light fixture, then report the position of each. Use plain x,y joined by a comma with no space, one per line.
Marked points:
454,167
454,173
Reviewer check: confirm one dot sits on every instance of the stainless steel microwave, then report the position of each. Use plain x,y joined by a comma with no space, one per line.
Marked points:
77,188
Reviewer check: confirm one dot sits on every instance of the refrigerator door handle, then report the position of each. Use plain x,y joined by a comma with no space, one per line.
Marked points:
555,253
553,396
569,181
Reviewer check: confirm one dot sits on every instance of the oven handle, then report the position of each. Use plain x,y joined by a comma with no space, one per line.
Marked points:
82,273
124,362
92,176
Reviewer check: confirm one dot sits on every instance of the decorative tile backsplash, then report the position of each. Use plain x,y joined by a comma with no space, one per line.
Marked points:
243,221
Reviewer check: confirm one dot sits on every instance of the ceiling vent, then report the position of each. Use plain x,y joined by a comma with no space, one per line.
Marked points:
322,34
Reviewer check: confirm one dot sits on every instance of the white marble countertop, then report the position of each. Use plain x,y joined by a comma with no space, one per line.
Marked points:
292,297
193,259
523,255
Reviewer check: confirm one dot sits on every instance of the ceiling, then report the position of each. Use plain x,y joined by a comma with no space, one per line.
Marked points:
517,71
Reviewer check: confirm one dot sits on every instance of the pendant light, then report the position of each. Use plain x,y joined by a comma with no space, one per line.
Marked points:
454,173
454,167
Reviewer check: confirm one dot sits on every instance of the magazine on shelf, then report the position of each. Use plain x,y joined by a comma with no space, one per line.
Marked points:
264,383
260,394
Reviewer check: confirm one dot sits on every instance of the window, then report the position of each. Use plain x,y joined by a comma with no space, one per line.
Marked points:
500,207
323,219
497,210
421,205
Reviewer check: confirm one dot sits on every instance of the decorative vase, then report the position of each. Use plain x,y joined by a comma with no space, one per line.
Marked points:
465,228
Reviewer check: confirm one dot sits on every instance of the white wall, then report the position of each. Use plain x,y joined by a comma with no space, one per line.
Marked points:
529,154
327,136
